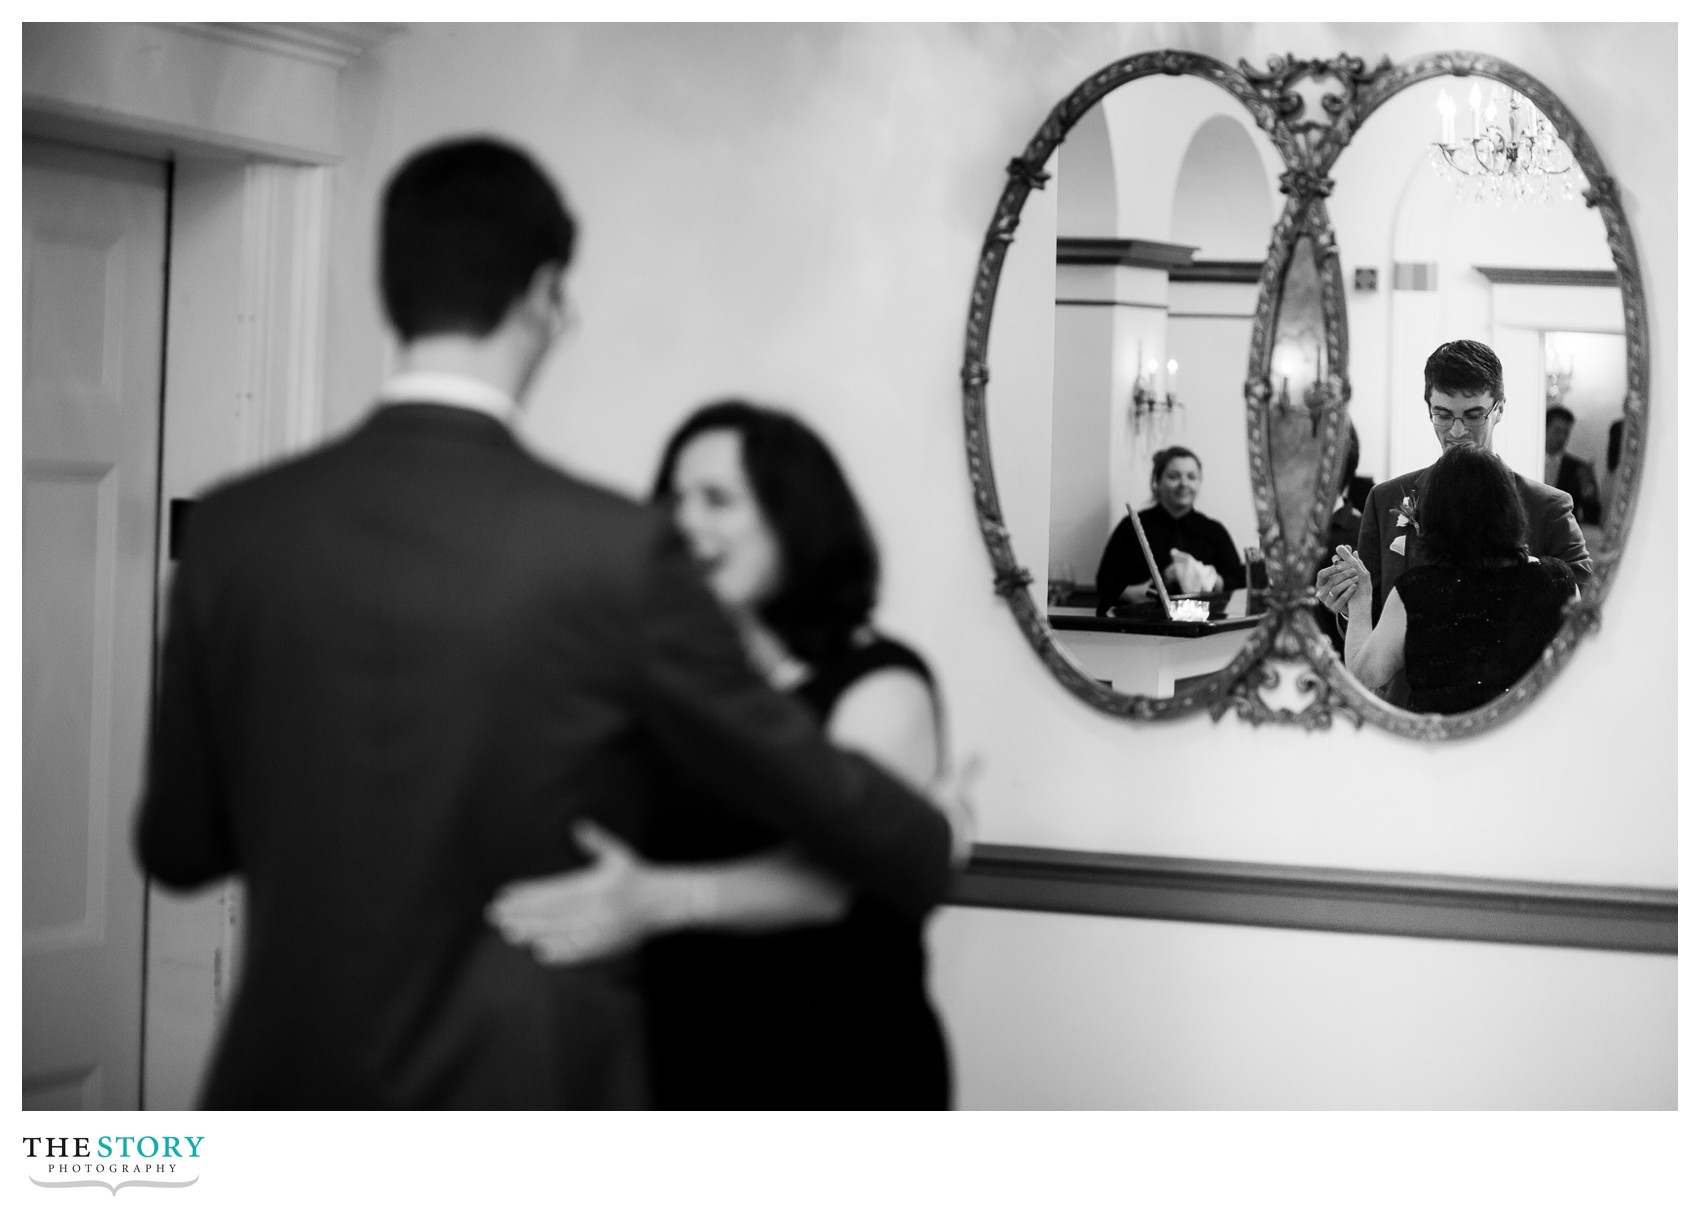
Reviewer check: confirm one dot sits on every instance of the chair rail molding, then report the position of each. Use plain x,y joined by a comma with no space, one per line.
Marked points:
1461,908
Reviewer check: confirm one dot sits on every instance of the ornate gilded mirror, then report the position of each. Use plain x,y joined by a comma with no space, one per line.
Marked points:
1124,318
1149,296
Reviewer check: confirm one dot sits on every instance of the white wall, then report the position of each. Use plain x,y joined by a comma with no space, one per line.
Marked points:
1084,403
1049,1012
1154,123
1225,201
1210,337
796,212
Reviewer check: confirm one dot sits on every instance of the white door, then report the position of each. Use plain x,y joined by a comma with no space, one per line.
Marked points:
94,248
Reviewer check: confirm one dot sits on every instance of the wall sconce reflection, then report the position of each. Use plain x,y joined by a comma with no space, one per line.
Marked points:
1151,415
1290,362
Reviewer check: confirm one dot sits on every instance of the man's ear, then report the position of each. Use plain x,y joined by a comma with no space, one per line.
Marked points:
543,295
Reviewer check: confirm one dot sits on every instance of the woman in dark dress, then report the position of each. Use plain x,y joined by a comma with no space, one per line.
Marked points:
1196,552
768,983
1468,623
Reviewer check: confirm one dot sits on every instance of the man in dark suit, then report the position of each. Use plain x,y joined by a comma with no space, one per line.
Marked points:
1566,472
1464,389
399,669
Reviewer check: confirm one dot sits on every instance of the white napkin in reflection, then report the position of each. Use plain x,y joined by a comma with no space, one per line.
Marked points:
1192,575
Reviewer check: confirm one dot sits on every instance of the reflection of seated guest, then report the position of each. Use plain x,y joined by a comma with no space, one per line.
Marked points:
1566,472
1199,556
1614,455
1471,621
1343,526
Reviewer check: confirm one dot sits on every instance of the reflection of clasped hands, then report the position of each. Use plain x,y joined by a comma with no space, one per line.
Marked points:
620,899
1340,583
1344,586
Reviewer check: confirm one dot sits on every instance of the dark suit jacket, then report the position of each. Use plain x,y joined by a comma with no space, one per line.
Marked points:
396,670
1388,548
1576,477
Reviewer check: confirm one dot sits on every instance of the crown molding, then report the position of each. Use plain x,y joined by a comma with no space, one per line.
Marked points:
1218,271
328,43
1137,254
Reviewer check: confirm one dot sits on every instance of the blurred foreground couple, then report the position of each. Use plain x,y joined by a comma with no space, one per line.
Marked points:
543,798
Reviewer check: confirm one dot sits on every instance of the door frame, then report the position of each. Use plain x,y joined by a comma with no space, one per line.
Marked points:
246,303
245,311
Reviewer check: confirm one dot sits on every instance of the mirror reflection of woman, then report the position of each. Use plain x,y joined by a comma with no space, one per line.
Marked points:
1198,555
1470,622
768,982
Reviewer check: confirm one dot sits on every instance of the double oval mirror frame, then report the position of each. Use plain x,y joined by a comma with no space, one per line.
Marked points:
1288,636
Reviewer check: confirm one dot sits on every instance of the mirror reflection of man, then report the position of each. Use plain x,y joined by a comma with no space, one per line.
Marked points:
1566,472
1464,391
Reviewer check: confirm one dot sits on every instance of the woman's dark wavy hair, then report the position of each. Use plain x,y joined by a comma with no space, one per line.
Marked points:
1471,514
829,574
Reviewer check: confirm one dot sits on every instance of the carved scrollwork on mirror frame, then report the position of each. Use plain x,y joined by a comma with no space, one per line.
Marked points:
1288,636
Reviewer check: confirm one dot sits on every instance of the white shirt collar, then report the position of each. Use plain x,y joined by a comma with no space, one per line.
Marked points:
445,387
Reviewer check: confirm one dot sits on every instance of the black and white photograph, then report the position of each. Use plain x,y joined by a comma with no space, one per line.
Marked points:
729,566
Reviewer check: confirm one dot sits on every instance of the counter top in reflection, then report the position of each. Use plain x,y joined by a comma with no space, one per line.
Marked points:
1231,615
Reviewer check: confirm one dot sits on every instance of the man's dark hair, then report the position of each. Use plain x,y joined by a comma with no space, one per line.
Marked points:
1470,514
1563,413
466,225
829,570
1464,368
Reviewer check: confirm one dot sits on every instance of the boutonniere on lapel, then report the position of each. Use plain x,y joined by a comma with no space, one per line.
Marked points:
1407,517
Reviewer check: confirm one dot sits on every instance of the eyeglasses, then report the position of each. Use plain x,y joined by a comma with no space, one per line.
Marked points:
1473,418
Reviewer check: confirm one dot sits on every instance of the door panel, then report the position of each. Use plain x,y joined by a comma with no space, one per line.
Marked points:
94,247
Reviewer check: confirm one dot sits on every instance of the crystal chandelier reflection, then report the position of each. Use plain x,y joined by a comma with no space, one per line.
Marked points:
1519,161
1560,368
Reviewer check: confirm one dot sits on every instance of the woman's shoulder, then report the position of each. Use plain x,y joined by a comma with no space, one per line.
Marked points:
869,656
1121,534
1552,571
1426,577
878,681
875,652
1207,522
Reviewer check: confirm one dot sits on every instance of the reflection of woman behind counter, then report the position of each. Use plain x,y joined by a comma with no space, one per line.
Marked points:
1198,555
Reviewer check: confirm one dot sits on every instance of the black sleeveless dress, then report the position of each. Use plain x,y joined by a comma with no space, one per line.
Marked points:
1470,634
831,1017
